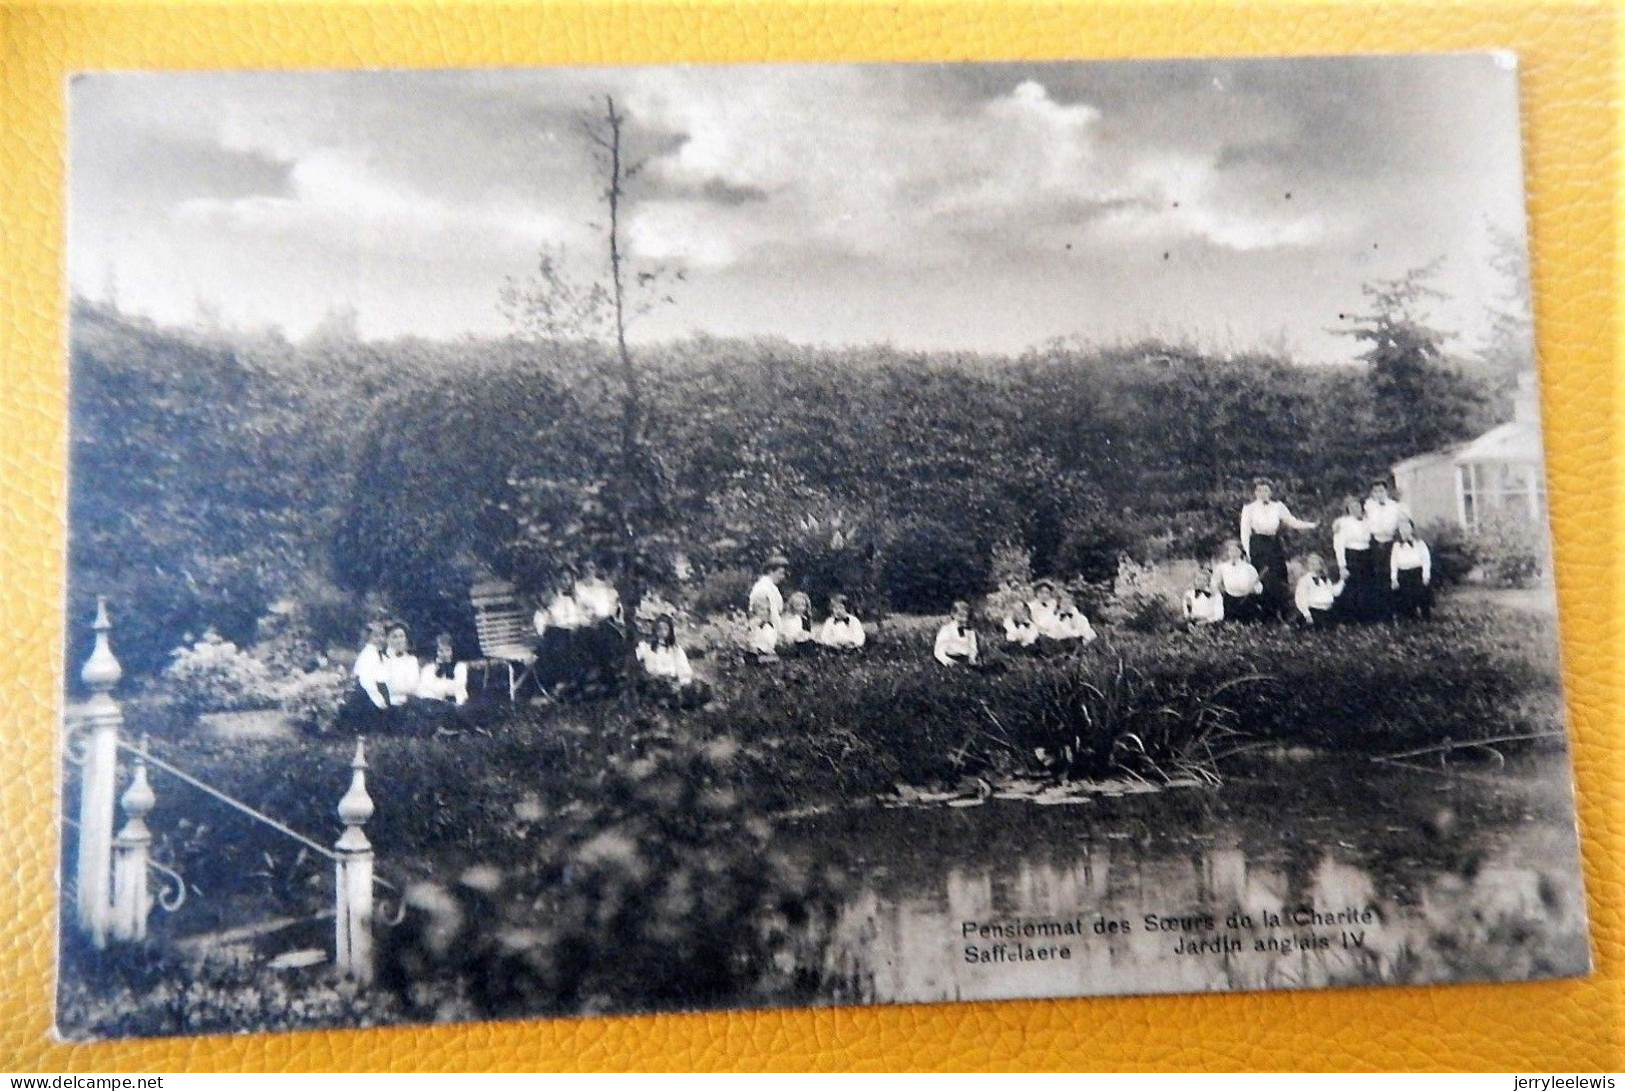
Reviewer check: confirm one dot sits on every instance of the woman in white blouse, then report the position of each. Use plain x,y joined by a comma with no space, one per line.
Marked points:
1020,634
1316,596
841,631
443,678
1261,523
1351,543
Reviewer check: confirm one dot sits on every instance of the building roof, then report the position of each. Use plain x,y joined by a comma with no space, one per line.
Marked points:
1514,441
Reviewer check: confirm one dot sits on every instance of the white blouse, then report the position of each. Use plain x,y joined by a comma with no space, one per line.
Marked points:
1265,517
1410,555
1203,607
432,686
399,673
1383,518
669,661
795,629
844,632
597,599
1316,593
1237,578
955,644
1023,634
369,671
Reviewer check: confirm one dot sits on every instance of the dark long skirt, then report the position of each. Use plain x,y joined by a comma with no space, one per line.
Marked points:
1413,598
1380,606
1356,603
583,661
359,716
1240,607
1270,560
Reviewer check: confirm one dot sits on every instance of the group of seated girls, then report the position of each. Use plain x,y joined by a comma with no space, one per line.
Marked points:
396,692
580,635
1375,582
780,628
1048,622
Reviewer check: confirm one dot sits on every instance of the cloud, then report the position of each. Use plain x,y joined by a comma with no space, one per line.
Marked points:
972,197
832,169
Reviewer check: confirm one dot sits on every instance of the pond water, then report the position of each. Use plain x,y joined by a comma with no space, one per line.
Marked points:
1294,874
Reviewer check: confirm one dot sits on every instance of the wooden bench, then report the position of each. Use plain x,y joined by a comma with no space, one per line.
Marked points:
506,634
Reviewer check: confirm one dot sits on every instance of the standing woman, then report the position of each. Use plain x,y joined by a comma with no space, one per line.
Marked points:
1261,523
1351,542
1382,517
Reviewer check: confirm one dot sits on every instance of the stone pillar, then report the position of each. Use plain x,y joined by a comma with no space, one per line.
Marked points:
131,850
98,783
353,878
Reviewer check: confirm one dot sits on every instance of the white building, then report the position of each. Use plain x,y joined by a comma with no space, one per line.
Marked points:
1502,470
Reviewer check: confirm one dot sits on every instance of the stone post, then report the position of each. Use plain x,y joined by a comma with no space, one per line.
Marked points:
98,784
131,850
353,878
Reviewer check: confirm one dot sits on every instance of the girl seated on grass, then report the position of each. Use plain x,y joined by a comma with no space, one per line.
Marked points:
956,640
841,631
1235,578
1020,633
443,678
667,676
1316,595
1203,605
795,627
1070,624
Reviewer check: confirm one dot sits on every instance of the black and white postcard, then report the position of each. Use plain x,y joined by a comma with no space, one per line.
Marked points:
560,542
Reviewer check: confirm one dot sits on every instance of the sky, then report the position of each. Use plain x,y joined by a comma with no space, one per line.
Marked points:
1238,204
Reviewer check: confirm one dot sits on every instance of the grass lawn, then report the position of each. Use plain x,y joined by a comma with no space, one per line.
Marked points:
816,732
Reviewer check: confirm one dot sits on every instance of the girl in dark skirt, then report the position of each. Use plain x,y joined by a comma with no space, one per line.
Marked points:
1410,575
1351,542
1261,524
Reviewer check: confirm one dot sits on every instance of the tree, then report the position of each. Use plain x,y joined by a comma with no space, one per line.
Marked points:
1421,402
490,467
625,515
1509,347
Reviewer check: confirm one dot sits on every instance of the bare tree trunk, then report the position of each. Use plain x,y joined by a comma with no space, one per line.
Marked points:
631,393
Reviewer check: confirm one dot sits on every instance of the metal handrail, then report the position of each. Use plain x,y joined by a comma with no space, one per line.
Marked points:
207,789
181,774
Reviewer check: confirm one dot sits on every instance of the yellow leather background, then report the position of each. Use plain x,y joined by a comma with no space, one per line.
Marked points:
1572,124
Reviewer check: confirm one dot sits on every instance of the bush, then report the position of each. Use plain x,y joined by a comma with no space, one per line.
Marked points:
312,698
834,555
1145,598
662,890
723,591
1454,552
1512,550
214,675
1093,546
927,565
140,991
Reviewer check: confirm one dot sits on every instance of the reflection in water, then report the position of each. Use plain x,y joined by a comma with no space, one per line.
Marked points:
1322,873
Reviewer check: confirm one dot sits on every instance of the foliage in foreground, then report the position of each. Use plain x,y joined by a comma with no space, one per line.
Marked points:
143,991
663,890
